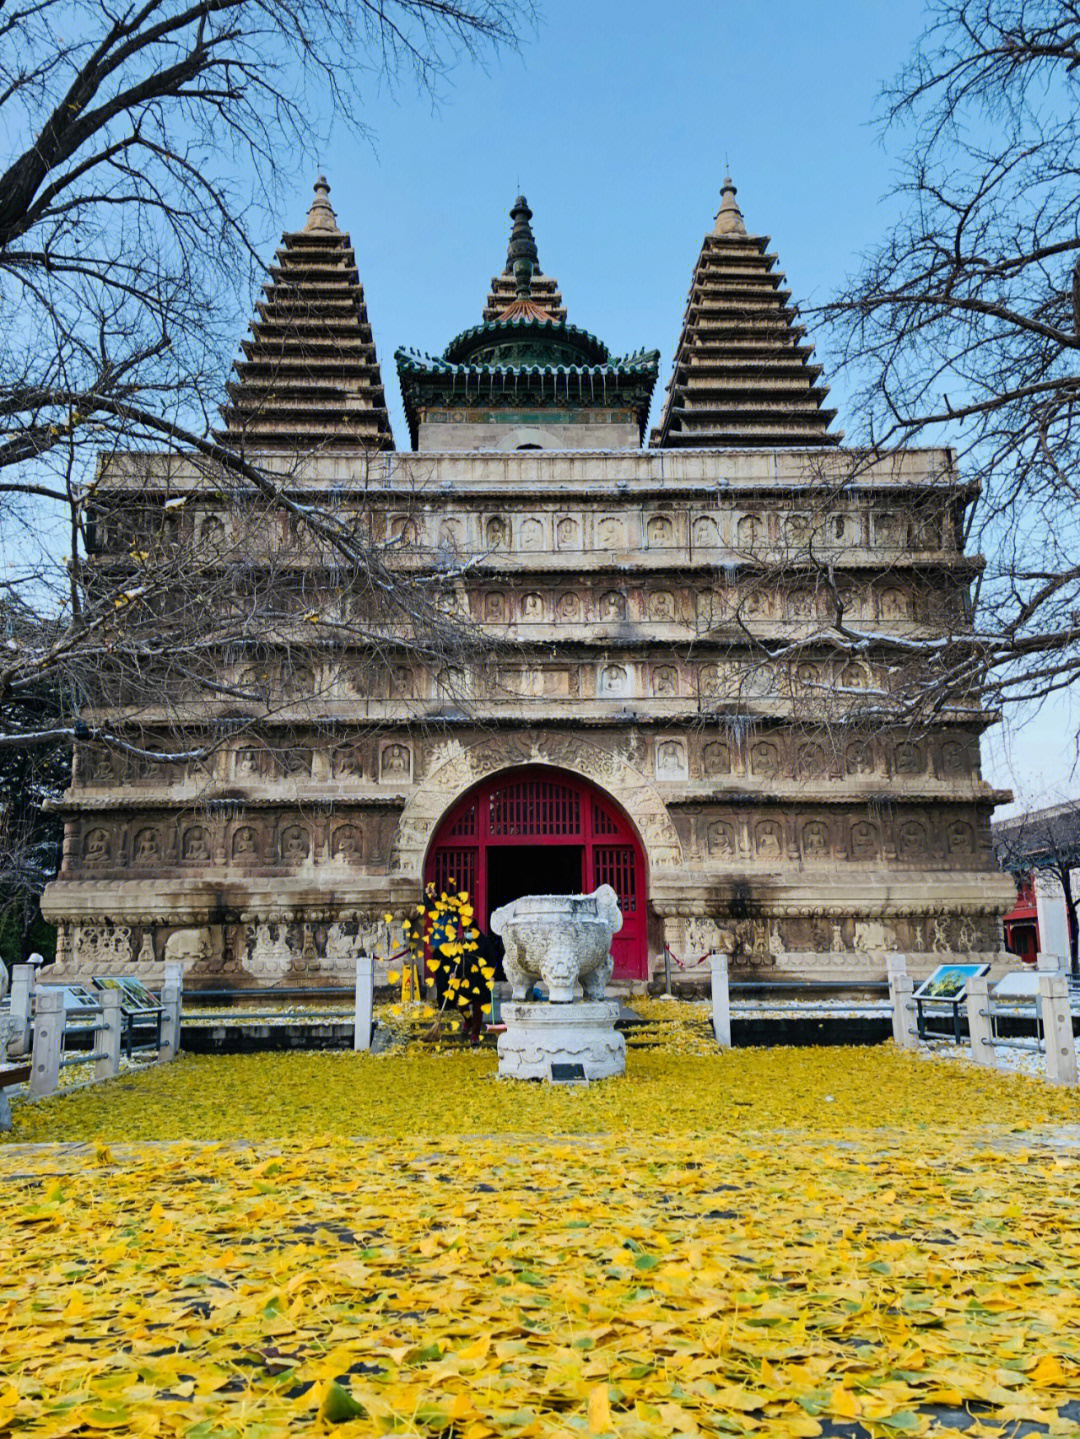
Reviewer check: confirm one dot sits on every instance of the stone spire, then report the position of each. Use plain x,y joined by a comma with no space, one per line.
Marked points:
742,374
523,288
522,260
321,215
729,218
309,378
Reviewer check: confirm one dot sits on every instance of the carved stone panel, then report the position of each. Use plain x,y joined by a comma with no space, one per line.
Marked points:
671,763
395,763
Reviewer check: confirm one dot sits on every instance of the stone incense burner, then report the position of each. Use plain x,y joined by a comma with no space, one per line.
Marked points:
564,940
559,938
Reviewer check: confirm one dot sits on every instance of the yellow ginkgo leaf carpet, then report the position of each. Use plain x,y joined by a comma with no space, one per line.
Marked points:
842,1243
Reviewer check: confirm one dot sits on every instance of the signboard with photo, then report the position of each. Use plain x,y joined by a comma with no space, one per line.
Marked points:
135,998
949,982
76,997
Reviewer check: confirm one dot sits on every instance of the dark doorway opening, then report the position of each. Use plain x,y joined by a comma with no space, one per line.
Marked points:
517,869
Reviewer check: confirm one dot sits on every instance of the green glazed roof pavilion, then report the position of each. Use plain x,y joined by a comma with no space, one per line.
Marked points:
524,358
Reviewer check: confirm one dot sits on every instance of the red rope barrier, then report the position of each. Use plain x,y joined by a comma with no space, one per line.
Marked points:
693,965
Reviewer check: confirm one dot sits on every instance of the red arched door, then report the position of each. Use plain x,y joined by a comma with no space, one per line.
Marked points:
543,831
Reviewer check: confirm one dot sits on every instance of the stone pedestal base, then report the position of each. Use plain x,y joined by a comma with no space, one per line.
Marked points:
540,1035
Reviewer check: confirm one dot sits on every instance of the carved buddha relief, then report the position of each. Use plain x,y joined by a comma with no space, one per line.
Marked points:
295,760
859,757
750,532
768,839
450,534
720,839
854,677
711,680
566,533
347,762
612,606
756,603
665,681
864,839
911,839
716,757
147,847
765,758
894,604
802,604
614,681
909,758
705,532
532,606
671,759
403,530
959,838
569,606
952,758
611,533
401,682
497,532
659,532
816,843
810,760
99,766
494,607
532,534
661,605
295,844
249,763
396,762
345,843
195,845
245,844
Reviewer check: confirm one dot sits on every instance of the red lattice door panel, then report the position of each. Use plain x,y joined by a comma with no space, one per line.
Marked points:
536,809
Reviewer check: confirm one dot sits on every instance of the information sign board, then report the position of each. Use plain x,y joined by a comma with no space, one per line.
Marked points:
949,982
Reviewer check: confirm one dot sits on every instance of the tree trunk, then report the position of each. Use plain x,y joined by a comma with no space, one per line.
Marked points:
1065,875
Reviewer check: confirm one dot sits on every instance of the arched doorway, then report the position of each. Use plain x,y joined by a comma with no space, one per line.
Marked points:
539,830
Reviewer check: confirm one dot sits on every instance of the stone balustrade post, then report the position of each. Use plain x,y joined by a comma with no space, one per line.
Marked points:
49,1021
721,999
980,1025
365,999
107,1039
171,1001
174,973
1047,963
23,980
902,987
1057,1029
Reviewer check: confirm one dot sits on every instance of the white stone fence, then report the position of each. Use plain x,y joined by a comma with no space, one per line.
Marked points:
721,999
40,1024
1049,1005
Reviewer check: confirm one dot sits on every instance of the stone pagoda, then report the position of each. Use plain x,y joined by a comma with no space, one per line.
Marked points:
667,703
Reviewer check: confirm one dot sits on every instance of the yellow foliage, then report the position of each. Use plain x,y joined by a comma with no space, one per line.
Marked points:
741,1279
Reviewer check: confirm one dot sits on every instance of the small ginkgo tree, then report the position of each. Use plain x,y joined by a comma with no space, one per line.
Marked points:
444,944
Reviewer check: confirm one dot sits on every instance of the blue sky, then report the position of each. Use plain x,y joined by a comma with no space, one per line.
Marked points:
617,119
